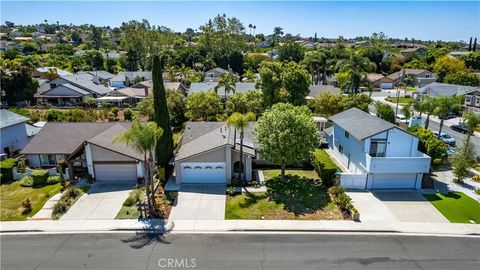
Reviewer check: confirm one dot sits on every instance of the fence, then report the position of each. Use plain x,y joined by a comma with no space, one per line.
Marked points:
51,172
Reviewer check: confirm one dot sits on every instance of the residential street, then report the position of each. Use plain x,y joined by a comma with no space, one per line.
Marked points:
238,251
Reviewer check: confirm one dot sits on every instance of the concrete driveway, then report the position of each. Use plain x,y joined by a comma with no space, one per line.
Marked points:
200,202
103,201
398,205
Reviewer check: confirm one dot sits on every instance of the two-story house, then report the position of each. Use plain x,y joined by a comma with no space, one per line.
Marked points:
419,77
15,132
377,154
472,100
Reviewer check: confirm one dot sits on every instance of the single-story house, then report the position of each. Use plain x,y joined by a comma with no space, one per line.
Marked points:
472,100
380,81
174,86
420,51
240,87
376,153
459,54
209,153
443,89
70,90
317,89
128,78
13,132
42,72
99,76
421,77
88,148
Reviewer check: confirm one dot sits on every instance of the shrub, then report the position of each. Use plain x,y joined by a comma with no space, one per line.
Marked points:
53,115
336,190
324,167
39,177
127,114
235,182
344,201
130,201
115,111
26,181
90,179
255,184
27,206
53,180
477,190
72,192
476,178
85,188
171,195
231,191
21,166
60,207
6,167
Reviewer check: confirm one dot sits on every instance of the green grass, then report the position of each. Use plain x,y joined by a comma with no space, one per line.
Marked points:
12,195
456,207
296,198
325,158
410,88
131,212
269,174
401,100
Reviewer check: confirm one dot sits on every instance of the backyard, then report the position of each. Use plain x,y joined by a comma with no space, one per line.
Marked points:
456,207
297,198
12,196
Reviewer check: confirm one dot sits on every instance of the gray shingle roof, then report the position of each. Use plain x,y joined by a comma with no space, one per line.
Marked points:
443,89
131,75
102,74
81,82
63,138
105,138
8,118
360,124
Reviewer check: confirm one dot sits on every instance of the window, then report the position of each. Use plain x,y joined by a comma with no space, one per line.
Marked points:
187,167
477,101
48,160
427,75
208,167
197,167
219,167
340,149
378,148
347,135
468,100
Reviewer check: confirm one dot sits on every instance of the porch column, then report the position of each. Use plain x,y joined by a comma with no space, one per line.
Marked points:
248,169
228,164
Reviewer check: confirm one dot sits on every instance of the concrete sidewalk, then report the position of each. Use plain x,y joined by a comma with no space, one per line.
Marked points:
206,226
46,212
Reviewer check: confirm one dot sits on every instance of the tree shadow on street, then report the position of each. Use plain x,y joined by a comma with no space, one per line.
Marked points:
153,232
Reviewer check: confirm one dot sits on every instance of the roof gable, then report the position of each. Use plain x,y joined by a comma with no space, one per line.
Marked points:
8,118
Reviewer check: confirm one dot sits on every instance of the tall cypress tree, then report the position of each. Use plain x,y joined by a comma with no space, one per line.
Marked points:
475,45
164,148
470,44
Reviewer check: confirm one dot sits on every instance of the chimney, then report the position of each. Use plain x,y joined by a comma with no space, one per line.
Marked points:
146,91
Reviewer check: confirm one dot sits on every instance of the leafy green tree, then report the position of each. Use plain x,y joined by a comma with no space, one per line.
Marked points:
430,145
471,121
251,101
228,82
407,110
472,60
164,146
357,66
326,104
462,78
463,159
240,121
417,63
443,106
446,65
385,112
277,34
96,37
360,101
176,107
286,134
249,76
271,82
426,105
203,106
290,51
296,81
143,139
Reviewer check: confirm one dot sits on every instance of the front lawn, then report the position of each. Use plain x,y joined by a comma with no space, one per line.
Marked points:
401,100
456,207
12,195
271,173
298,198
129,208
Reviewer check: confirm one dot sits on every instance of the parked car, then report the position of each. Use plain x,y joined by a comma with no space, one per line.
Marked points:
459,128
447,139
401,118
449,116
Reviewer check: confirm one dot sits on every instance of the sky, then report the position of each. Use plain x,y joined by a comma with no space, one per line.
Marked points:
426,20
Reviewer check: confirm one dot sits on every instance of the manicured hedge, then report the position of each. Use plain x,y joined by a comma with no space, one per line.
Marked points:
324,167
6,167
39,177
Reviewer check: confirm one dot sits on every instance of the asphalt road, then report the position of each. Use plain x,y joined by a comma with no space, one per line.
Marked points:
238,251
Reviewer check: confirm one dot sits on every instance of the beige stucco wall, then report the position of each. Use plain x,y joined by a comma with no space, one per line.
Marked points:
101,154
217,155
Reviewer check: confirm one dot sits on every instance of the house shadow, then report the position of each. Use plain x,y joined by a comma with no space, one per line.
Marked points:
153,232
399,195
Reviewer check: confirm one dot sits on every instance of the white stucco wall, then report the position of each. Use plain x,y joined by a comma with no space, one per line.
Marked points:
14,136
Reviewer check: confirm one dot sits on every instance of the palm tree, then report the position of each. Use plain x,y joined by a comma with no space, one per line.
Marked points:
143,139
471,121
51,74
312,61
426,105
254,28
250,26
442,107
407,110
327,61
240,121
249,76
357,66
171,72
228,82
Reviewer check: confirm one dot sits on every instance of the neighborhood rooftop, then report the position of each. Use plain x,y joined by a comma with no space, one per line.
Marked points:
9,118
360,124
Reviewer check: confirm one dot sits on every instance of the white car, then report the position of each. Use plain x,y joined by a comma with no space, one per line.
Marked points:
401,118
447,139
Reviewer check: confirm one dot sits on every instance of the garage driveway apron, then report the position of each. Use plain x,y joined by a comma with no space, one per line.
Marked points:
200,202
103,201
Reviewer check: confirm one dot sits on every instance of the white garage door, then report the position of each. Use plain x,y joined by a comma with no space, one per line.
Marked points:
392,181
386,85
203,173
116,172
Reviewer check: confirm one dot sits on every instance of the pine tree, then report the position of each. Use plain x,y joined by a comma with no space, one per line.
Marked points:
470,44
164,147
475,45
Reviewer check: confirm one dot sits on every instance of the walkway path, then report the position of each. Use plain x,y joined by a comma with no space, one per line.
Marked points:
46,212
